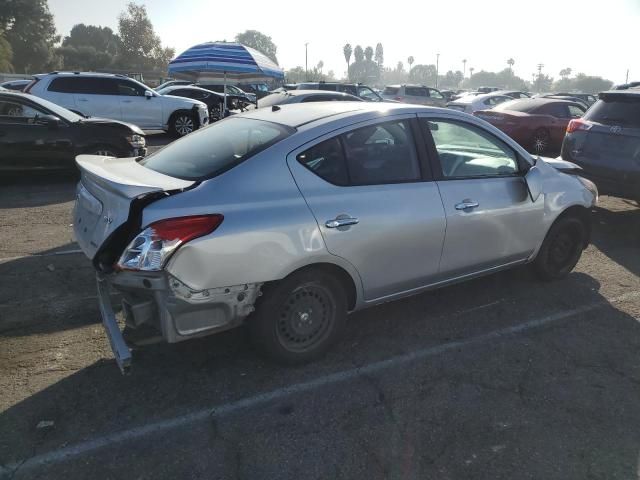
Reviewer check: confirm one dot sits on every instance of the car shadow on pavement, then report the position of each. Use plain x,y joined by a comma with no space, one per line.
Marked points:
569,387
617,235
29,190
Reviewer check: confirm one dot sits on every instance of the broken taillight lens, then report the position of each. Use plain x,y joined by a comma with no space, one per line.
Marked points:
150,249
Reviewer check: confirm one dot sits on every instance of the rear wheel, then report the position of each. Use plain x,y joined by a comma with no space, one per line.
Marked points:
561,249
300,317
182,123
541,141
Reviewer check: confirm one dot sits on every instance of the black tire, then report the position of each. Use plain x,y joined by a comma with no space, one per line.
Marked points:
298,319
561,249
541,141
103,150
182,123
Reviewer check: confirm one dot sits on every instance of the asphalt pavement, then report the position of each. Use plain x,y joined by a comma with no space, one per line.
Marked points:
502,377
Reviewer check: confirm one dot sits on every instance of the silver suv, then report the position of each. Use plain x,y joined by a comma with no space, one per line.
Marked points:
418,94
118,97
288,218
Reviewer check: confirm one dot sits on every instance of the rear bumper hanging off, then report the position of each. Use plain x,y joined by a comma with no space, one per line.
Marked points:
119,347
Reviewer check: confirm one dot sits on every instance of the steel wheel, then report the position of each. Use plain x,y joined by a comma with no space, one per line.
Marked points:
215,113
183,124
561,249
541,140
305,318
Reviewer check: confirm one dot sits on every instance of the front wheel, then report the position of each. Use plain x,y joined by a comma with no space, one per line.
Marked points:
561,249
182,123
299,318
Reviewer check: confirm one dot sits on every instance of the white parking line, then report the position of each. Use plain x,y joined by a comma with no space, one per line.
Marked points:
65,453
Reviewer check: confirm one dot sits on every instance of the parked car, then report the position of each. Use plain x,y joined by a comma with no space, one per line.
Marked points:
231,90
418,94
306,212
569,99
588,98
538,124
362,91
17,85
258,89
448,95
38,134
305,96
213,100
120,98
172,83
513,93
488,89
474,103
626,86
606,143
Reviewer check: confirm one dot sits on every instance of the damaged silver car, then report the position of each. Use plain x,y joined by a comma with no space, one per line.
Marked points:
288,218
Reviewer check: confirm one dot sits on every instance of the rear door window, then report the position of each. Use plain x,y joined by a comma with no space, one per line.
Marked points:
416,91
381,153
129,89
210,151
616,110
575,111
435,93
326,160
390,91
558,110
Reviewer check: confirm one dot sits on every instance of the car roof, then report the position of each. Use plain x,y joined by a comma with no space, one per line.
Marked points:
298,114
298,93
83,74
633,92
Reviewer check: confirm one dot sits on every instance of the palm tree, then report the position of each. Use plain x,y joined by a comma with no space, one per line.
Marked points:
320,66
410,61
464,68
471,69
368,53
347,55
510,62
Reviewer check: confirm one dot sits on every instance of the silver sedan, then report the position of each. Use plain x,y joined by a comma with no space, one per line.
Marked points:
288,218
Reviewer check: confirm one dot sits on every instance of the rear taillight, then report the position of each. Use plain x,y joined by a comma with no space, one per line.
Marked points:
151,249
398,98
577,125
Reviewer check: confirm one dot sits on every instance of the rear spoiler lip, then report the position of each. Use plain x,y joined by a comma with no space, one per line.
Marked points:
126,177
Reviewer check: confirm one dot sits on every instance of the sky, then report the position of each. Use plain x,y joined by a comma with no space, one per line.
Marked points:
596,37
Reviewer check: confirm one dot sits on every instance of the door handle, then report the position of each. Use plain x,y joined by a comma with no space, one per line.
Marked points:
466,204
341,222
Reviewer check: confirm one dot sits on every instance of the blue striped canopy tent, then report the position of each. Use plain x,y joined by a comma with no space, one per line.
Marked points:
224,60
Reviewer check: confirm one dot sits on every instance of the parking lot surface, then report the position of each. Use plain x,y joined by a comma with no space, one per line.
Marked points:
501,377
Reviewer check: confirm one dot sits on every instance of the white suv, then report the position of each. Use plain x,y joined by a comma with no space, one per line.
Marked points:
418,94
120,98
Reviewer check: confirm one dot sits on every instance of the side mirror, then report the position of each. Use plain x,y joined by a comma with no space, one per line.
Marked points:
533,179
148,94
50,121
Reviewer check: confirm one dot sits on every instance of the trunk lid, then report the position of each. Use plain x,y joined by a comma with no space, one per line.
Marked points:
107,188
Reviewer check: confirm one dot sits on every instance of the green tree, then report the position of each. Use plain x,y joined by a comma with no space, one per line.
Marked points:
6,55
379,55
368,53
347,50
423,74
89,47
590,84
140,48
260,42
29,29
358,54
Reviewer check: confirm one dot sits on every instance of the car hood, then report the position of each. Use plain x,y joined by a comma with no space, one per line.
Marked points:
181,102
561,165
106,121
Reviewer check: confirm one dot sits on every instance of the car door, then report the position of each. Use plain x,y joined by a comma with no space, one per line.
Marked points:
368,95
436,98
374,203
27,141
491,220
145,112
94,96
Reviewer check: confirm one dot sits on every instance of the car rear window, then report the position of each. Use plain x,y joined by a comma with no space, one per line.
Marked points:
211,151
616,110
523,105
390,91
